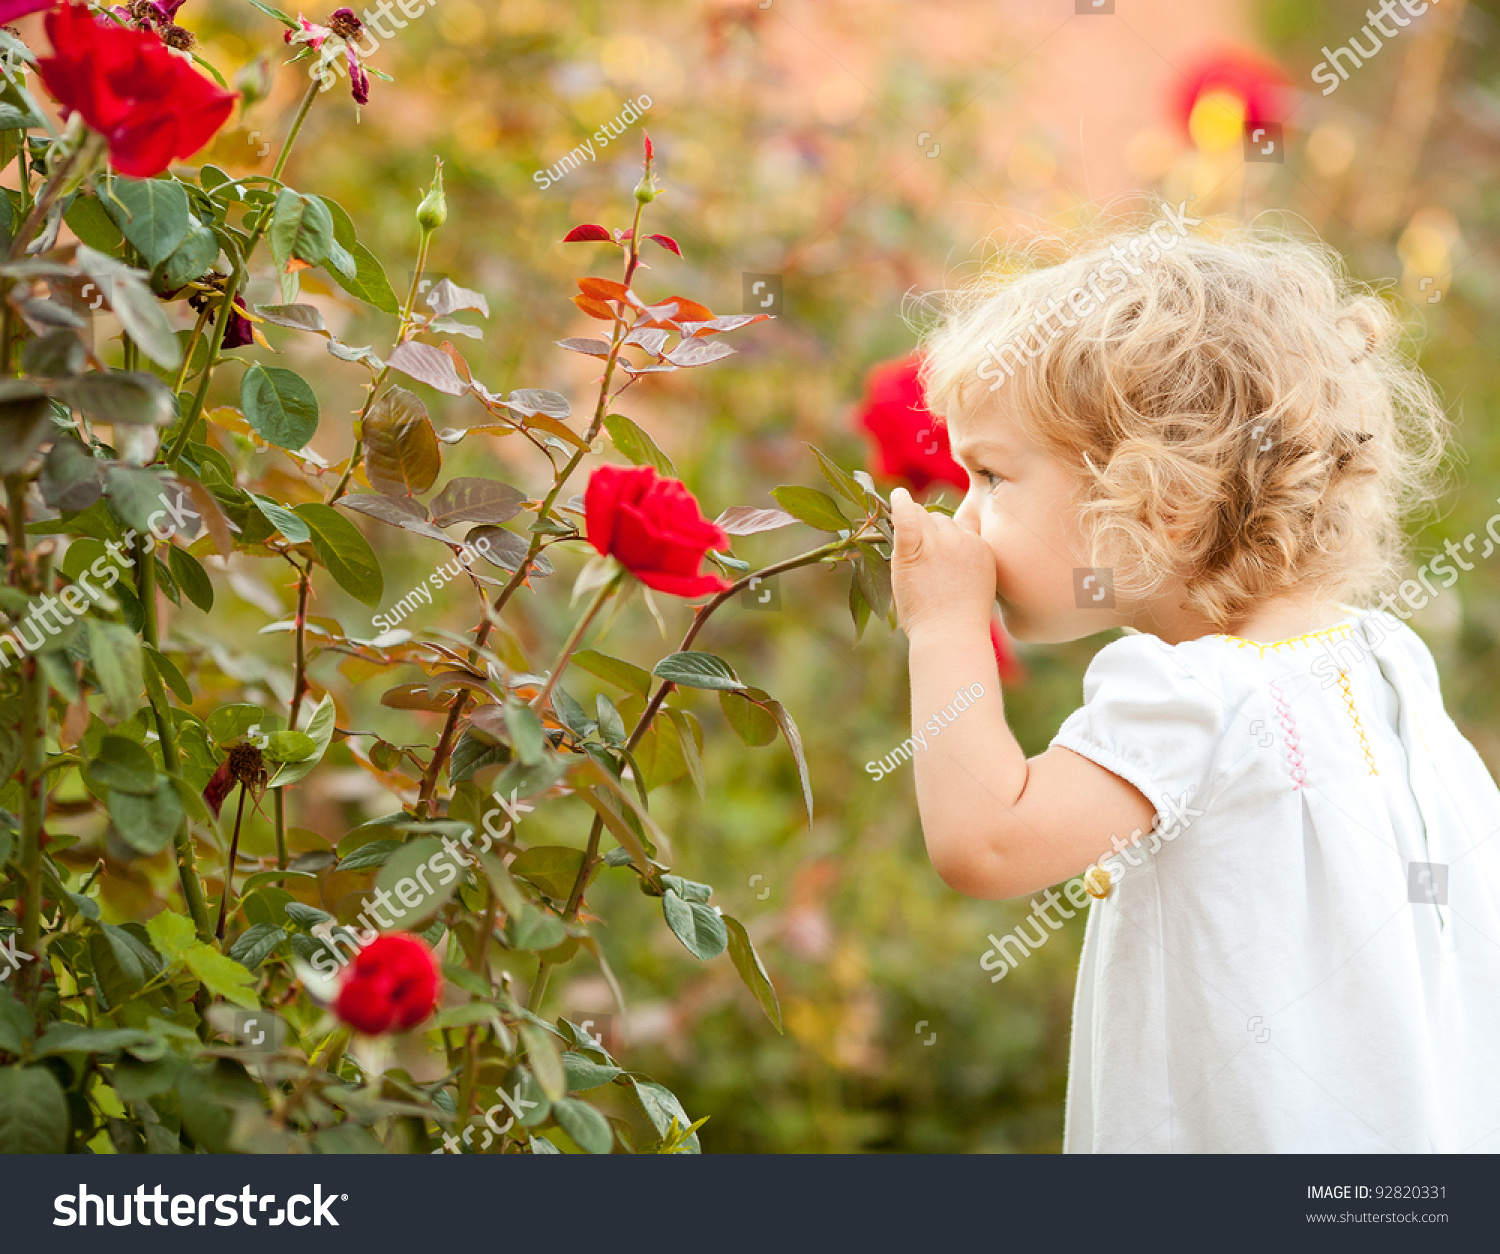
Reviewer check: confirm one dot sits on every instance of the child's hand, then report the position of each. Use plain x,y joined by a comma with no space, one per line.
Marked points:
941,571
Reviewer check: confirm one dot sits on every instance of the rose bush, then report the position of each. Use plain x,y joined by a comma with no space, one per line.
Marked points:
137,760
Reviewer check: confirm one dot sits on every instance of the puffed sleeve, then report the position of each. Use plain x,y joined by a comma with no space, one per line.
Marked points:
1152,718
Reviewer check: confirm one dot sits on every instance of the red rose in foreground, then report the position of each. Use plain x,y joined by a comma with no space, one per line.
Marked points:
653,527
1011,670
392,984
1259,83
10,10
911,443
150,104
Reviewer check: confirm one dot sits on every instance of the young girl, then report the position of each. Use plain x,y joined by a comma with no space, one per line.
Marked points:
1292,854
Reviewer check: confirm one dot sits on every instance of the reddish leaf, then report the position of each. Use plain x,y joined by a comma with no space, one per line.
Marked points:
747,520
667,242
401,448
398,511
693,352
604,289
727,322
691,309
429,365
476,500
652,339
594,308
453,355
588,347
587,231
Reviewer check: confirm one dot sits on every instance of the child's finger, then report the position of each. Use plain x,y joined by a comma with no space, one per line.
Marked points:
908,518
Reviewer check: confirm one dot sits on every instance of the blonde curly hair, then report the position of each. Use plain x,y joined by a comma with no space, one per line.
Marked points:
1241,413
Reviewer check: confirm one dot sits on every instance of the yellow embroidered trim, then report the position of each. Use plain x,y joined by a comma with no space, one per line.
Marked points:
1364,742
1241,642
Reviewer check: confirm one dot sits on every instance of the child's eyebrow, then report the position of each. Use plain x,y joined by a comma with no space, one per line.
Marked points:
967,450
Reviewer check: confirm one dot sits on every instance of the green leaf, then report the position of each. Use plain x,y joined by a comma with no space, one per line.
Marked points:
320,730
191,577
345,552
637,446
168,673
697,670
794,741
418,891
747,962
289,746
131,397
147,824
88,219
75,1038
286,522
171,934
230,722
279,406
588,1128
366,857
622,674
222,976
191,258
33,1112
698,926
815,508
552,868
535,930
139,311
306,916
151,213
401,448
136,495
124,766
583,1073
17,1026
841,481
753,723
119,969
301,229
359,274
662,1108
254,945
115,653
527,734
544,1058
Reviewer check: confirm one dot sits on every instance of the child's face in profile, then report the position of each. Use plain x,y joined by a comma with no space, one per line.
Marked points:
1024,503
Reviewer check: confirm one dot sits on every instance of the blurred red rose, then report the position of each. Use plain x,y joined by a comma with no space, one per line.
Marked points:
911,445
1259,84
393,984
1011,670
10,10
654,528
149,103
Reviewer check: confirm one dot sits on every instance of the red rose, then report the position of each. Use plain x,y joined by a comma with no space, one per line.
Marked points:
654,528
10,10
149,103
392,984
1258,83
1011,670
912,445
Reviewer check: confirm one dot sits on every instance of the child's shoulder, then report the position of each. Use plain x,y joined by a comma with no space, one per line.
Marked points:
1224,662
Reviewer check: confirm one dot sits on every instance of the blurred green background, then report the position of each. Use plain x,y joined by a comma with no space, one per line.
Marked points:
793,138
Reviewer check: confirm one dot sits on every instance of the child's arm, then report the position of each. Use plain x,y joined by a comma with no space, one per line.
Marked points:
996,824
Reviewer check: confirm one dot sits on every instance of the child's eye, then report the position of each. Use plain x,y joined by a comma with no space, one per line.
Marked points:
992,480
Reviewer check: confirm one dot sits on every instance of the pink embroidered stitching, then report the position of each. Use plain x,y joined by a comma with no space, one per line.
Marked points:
1289,730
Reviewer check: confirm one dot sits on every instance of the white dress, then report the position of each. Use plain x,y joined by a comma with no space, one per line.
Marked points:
1308,960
